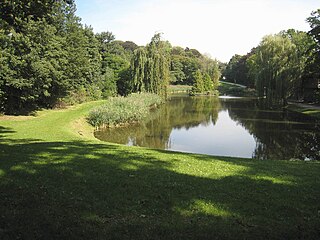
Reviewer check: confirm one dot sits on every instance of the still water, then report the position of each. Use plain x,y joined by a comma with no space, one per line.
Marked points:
237,127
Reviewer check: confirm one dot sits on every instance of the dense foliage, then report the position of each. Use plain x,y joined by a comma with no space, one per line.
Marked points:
48,58
283,66
150,67
188,64
237,70
313,64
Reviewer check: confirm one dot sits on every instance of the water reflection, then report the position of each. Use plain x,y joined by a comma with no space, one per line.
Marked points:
227,127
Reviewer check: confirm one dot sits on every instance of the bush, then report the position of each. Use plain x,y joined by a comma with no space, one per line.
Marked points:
122,110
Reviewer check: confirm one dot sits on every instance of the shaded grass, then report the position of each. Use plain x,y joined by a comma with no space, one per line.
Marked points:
56,183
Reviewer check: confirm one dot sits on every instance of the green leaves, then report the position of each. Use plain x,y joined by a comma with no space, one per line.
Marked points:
150,67
198,85
274,61
46,59
278,66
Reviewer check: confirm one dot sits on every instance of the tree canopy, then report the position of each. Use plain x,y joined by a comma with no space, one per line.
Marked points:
48,58
283,66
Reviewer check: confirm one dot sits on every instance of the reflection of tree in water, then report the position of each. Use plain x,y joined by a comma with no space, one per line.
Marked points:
278,134
179,112
189,112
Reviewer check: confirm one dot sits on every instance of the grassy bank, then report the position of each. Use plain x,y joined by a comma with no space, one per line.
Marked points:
310,110
237,90
58,182
179,89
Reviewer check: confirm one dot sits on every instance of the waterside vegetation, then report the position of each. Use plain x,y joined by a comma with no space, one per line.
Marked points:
118,111
58,182
173,89
310,110
49,59
283,67
236,90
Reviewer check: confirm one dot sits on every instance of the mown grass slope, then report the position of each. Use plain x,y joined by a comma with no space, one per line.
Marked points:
58,182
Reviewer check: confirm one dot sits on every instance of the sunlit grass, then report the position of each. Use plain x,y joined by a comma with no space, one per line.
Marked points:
305,110
179,89
315,113
204,208
58,182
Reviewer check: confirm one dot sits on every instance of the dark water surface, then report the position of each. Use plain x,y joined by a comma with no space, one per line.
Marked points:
235,127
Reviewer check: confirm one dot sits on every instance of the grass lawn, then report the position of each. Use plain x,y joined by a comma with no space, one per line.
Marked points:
232,89
179,88
58,182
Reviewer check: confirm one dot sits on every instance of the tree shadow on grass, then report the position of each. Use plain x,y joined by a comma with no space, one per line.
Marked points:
4,130
80,190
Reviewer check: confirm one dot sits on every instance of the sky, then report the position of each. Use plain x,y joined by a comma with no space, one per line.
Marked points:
219,28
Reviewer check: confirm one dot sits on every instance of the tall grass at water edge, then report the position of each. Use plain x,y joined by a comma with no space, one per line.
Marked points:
122,110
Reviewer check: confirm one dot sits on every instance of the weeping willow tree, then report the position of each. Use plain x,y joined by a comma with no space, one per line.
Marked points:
138,69
276,68
150,67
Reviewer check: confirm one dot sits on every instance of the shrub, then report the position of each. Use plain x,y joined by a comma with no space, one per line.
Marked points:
122,110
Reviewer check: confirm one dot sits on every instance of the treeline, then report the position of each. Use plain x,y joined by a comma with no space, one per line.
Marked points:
48,58
283,66
190,67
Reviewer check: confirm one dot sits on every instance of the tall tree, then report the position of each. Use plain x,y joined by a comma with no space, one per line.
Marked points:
46,55
313,64
150,67
198,86
14,13
237,70
138,65
232,69
276,68
211,68
304,51
314,21
208,84
34,67
176,68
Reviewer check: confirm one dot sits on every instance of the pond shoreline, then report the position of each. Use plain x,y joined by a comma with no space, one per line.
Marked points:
212,125
57,183
308,109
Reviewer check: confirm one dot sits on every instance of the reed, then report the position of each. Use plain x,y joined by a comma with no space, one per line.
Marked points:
120,111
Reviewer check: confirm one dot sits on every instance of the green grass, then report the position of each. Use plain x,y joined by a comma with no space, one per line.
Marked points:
58,182
232,84
310,111
232,89
179,89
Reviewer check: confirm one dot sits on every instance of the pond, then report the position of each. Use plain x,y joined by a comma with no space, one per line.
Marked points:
236,127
